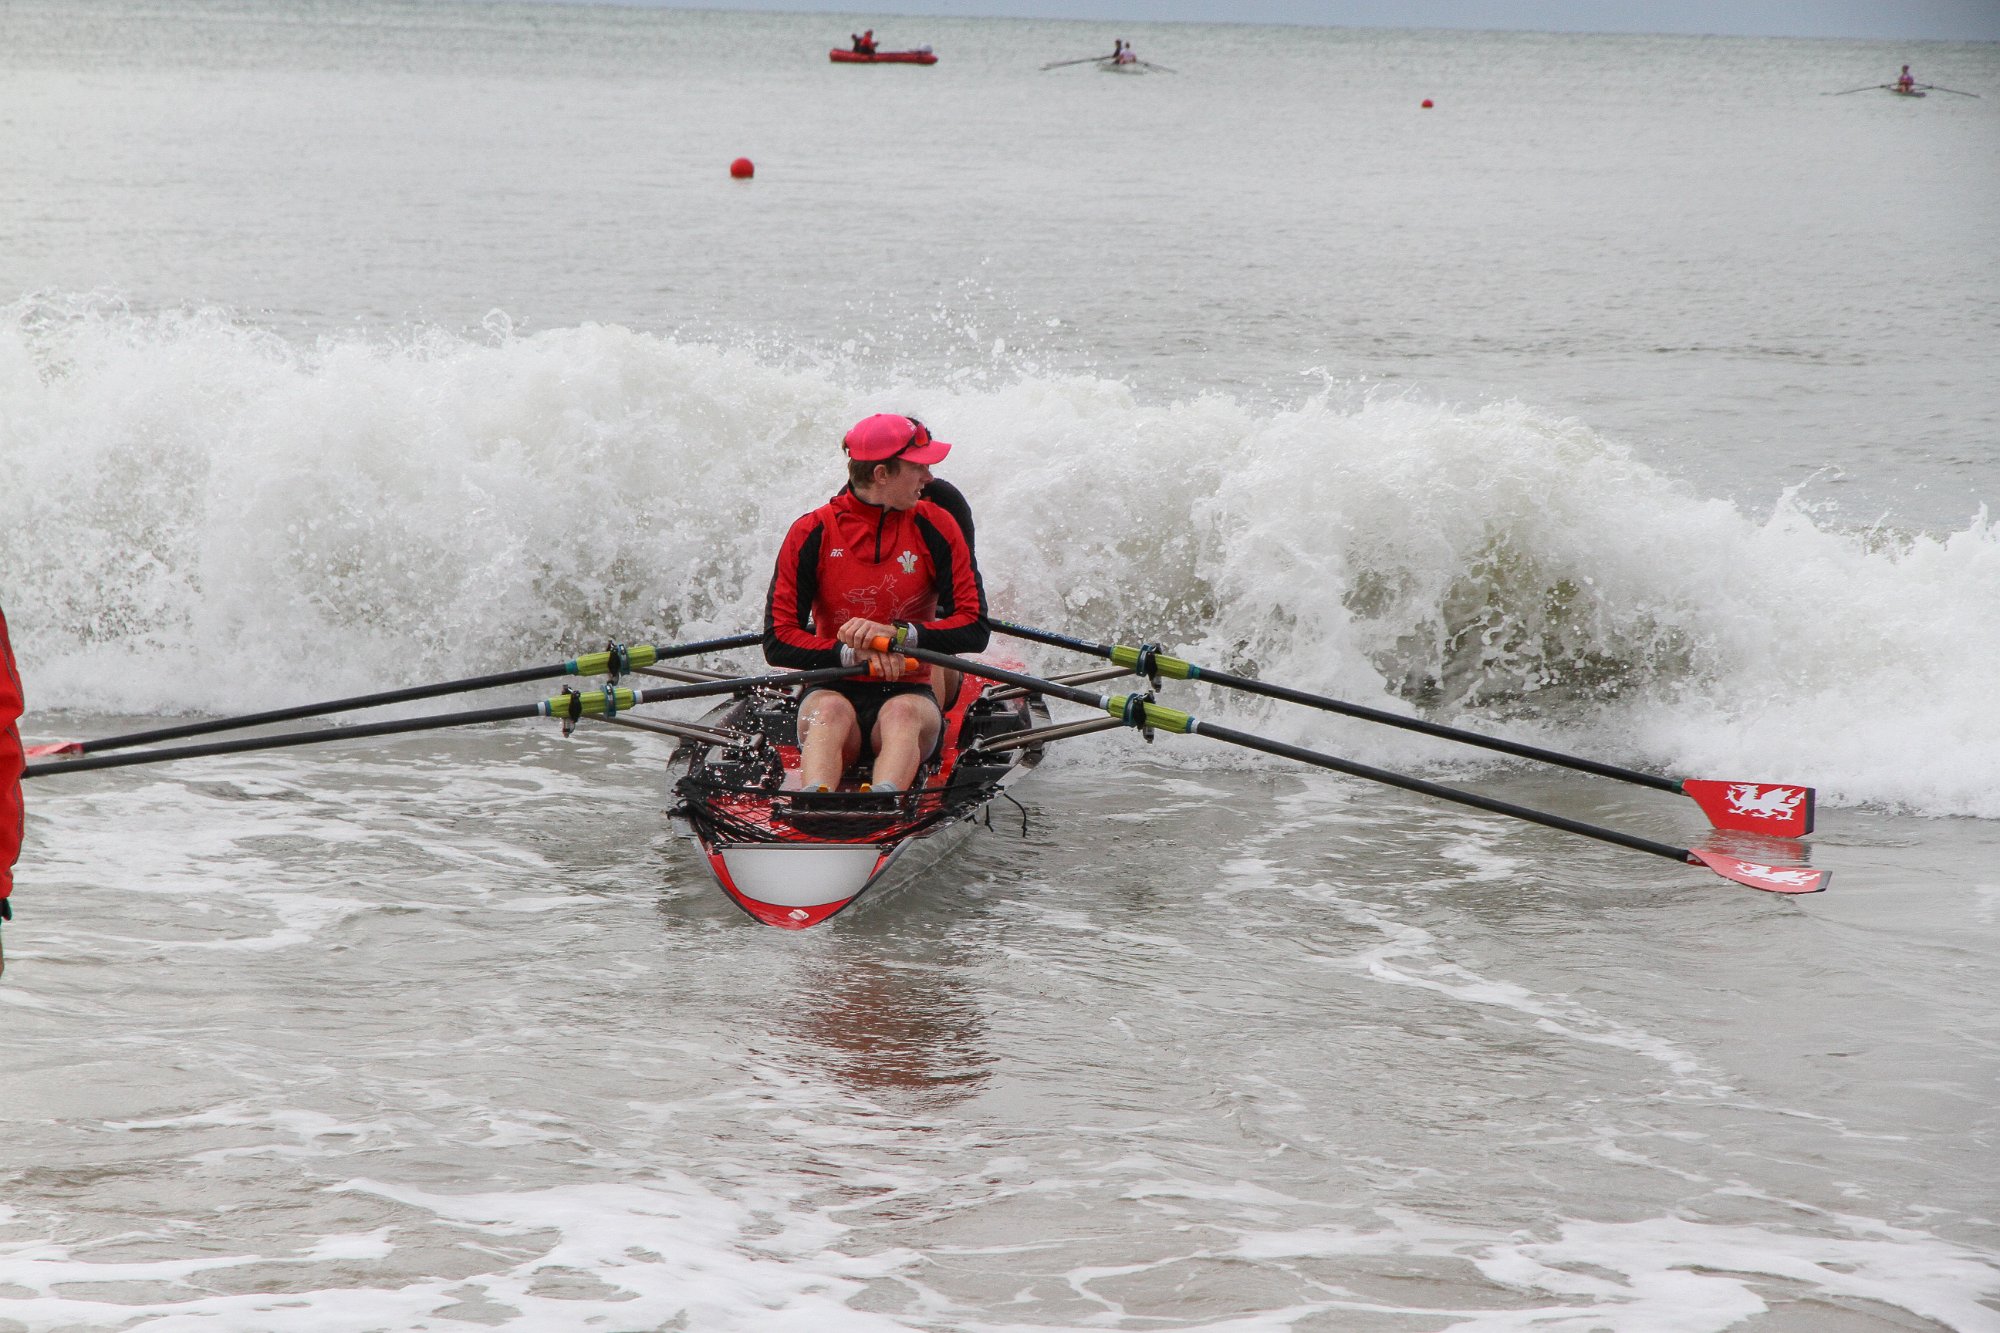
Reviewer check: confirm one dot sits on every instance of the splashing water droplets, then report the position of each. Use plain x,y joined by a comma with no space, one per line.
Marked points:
214,501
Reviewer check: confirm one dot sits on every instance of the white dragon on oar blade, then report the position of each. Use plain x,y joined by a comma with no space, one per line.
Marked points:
1760,802
1777,874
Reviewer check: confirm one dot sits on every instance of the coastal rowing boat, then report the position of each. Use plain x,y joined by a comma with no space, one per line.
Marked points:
792,858
1901,90
841,55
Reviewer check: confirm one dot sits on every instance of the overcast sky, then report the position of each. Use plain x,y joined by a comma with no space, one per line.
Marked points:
1952,20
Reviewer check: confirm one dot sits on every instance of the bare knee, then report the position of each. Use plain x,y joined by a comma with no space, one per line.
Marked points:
912,718
830,715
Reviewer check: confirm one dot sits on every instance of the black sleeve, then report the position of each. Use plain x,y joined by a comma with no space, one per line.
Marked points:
952,500
972,632
789,638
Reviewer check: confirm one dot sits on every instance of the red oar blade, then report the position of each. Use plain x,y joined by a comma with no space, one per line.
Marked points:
1771,879
55,748
1779,809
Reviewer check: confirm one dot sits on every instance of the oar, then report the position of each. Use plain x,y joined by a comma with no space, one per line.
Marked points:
1087,60
590,664
569,707
1780,809
1137,711
1162,68
1864,88
1934,88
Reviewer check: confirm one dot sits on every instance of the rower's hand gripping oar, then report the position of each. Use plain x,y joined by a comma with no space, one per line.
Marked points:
569,707
615,661
1140,711
1776,809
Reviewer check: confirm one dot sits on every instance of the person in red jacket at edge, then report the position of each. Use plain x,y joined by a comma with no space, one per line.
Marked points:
884,558
10,775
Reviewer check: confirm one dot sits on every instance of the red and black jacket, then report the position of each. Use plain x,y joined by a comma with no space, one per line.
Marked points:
10,767
850,558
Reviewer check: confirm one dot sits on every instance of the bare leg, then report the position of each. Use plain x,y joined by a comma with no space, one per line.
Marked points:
944,683
905,730
829,740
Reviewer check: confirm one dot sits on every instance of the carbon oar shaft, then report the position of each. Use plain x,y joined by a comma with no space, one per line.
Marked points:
590,664
49,767
1173,719
596,703
1442,793
1178,669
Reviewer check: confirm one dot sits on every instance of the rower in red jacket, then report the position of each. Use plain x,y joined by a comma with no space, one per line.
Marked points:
877,560
10,774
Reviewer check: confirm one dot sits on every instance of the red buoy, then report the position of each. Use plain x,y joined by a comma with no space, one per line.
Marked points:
1427,106
742,169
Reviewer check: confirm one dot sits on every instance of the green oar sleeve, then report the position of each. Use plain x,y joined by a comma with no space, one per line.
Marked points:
1171,667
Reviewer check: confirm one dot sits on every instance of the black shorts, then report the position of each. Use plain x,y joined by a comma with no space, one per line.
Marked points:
868,699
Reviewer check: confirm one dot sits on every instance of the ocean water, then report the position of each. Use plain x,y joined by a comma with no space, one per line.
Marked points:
1636,399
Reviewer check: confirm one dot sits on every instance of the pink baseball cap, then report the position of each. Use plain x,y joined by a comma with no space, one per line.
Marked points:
884,436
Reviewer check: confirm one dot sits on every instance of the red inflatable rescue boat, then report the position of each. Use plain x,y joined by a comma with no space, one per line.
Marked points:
840,55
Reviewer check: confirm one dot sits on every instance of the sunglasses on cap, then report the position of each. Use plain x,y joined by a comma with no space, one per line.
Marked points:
920,435
888,436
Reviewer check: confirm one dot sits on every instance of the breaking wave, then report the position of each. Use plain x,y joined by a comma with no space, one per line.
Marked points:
196,514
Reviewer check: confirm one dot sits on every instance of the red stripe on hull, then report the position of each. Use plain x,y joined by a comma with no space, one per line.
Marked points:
777,914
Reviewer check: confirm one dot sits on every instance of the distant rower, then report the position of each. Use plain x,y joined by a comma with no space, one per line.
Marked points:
1906,82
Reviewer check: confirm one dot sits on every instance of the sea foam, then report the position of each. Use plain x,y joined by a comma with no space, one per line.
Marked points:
197,514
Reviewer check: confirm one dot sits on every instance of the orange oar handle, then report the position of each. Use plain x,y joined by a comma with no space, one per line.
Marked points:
881,643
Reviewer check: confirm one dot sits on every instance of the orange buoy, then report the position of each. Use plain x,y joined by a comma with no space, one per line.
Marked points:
1427,104
742,169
